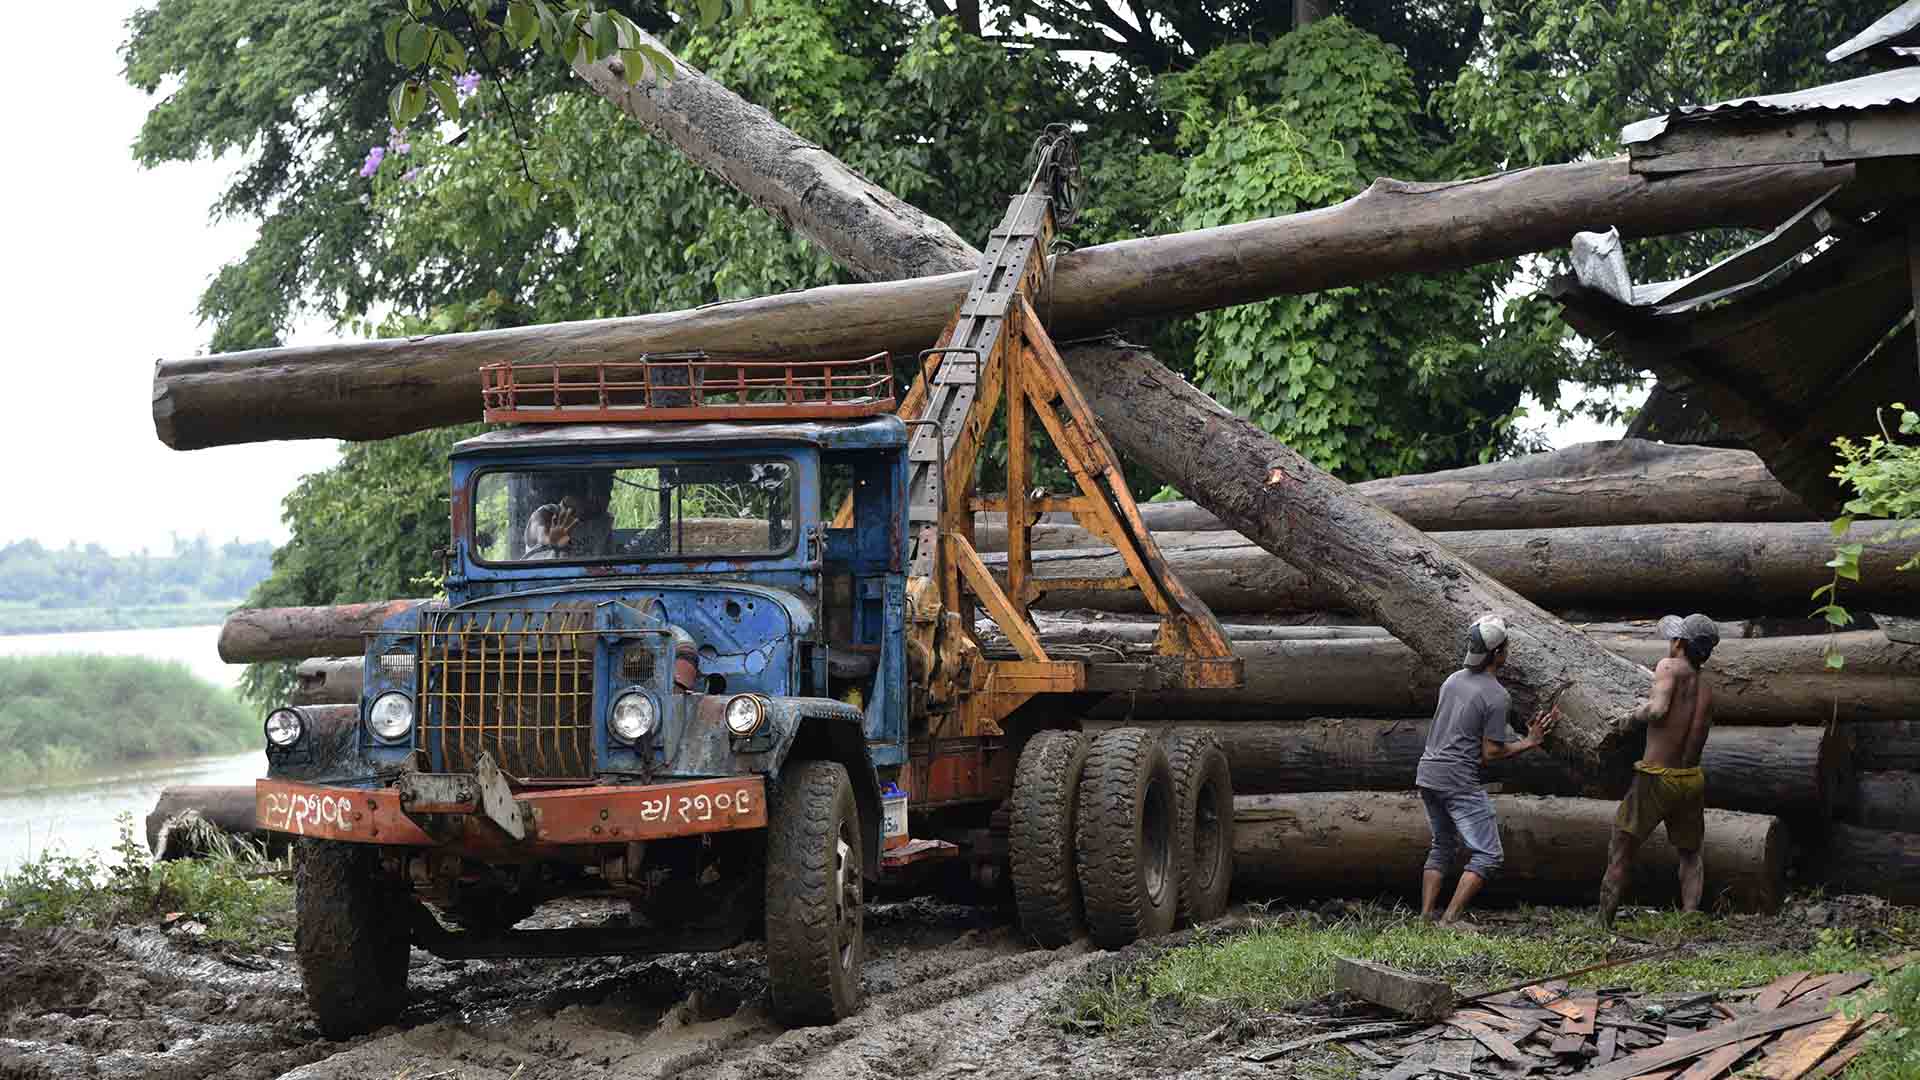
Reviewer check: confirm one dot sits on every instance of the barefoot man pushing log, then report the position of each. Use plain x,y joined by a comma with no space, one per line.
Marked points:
1667,782
1469,729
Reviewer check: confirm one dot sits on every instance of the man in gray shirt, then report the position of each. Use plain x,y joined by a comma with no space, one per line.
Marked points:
1469,729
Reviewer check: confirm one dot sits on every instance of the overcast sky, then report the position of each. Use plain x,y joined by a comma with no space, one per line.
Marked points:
106,263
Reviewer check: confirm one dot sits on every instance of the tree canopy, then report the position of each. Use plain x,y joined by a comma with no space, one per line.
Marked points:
529,199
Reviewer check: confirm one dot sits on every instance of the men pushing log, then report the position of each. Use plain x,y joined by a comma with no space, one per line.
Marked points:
1469,729
1667,782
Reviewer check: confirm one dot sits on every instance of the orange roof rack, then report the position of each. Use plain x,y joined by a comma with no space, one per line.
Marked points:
685,386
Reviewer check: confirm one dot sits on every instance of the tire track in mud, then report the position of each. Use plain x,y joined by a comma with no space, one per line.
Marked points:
950,992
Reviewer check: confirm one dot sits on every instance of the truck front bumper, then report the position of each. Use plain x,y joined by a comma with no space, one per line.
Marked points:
461,810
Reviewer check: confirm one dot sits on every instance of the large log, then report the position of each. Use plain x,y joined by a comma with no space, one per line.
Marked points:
1890,744
1367,844
252,635
1769,567
375,389
1872,861
328,680
1799,771
1618,482
1885,799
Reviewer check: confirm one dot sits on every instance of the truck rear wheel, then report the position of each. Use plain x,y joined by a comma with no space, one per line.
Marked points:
351,935
1203,824
1125,837
1040,839
815,933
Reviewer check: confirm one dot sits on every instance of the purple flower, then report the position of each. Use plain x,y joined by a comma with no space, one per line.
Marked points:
374,157
407,177
397,141
467,84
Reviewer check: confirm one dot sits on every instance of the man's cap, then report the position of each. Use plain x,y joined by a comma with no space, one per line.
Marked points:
1696,629
1487,633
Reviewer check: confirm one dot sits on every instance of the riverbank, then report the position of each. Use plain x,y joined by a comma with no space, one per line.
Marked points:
64,717
33,619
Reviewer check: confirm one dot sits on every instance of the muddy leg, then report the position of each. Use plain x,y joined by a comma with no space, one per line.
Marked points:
1463,894
1430,882
1619,872
1693,879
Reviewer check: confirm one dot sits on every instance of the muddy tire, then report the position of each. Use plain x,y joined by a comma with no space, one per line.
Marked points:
1203,824
1040,840
815,934
351,936
1124,838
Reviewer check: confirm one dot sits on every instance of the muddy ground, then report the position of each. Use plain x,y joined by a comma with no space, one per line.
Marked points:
953,991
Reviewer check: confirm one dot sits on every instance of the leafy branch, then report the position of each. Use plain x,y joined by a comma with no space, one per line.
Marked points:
1884,475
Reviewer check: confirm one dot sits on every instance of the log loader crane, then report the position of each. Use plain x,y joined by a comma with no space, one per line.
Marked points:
668,671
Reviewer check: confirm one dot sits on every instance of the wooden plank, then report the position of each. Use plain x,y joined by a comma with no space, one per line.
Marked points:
1808,1046
1851,1049
1609,1046
1835,986
1361,1032
1567,1044
1493,1041
1717,1063
1678,1050
1776,992
1415,995
1580,1021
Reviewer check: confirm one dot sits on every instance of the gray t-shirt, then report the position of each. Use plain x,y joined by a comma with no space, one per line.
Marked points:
1473,705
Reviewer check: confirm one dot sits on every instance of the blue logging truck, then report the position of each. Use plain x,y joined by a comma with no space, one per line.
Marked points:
708,645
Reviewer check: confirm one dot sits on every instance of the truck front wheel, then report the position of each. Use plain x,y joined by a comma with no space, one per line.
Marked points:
815,910
351,935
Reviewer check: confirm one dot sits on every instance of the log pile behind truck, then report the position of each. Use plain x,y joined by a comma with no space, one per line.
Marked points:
1805,761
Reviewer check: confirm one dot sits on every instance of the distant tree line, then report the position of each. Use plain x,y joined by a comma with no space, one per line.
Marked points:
197,572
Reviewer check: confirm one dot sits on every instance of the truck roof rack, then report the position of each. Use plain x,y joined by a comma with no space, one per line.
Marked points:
685,386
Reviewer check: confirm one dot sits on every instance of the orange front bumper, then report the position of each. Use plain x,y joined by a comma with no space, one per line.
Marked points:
560,816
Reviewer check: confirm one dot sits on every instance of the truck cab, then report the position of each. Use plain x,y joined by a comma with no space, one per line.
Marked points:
660,672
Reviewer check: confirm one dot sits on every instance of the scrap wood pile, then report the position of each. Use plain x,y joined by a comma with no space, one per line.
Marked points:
1789,1029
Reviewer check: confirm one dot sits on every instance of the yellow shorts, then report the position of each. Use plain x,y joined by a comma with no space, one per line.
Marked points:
1675,796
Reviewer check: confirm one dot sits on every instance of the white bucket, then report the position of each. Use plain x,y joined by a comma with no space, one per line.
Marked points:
893,823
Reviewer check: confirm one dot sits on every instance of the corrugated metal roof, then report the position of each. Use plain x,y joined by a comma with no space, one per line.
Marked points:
1895,28
1901,86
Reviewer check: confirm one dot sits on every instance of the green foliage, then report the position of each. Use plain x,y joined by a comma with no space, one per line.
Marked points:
1893,1053
197,572
230,892
64,715
1329,373
1884,476
1285,961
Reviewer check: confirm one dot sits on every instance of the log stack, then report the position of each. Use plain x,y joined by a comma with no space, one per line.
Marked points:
1334,714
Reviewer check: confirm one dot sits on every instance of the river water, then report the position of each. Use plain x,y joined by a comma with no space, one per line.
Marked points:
77,816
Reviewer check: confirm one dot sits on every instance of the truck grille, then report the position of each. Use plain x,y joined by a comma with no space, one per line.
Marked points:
515,684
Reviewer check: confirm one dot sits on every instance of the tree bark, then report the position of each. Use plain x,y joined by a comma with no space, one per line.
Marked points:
1872,861
1889,744
328,680
1622,482
1797,771
253,635
1366,844
1886,800
375,389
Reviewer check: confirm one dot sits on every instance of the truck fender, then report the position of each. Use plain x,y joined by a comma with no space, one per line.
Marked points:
822,729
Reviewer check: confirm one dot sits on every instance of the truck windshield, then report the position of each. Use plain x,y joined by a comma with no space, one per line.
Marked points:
676,511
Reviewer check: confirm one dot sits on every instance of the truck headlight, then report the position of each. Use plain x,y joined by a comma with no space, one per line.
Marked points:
633,716
391,716
745,714
284,728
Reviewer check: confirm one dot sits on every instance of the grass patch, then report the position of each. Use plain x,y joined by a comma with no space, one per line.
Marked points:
1282,963
18,618
64,716
231,891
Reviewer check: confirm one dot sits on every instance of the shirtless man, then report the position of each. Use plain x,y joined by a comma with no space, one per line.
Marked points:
1667,783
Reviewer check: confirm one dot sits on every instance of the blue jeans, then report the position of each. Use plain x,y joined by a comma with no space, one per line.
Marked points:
1463,819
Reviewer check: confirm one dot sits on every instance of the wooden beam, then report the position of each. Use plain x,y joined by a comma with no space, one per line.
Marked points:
1418,996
